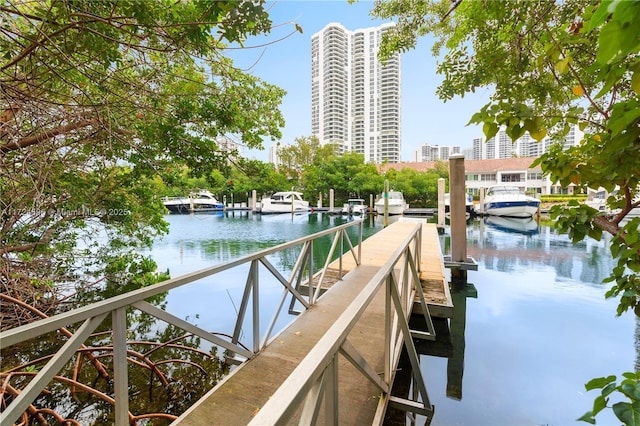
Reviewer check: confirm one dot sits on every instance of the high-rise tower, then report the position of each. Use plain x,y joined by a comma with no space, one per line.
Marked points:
355,99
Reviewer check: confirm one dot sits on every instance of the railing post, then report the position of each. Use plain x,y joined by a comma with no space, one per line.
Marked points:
360,227
120,374
256,307
388,340
343,235
332,397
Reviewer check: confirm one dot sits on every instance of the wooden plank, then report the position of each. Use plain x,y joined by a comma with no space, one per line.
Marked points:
432,272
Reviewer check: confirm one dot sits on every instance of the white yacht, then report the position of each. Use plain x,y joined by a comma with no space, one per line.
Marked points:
284,202
397,205
197,202
355,206
502,200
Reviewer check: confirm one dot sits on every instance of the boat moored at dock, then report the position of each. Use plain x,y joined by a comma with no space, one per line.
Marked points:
284,202
469,207
355,206
201,201
503,200
396,203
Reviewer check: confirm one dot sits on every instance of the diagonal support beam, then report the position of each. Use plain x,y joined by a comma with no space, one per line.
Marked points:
35,386
172,319
411,348
358,361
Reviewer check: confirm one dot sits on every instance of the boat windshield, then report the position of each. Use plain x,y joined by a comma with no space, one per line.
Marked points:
504,190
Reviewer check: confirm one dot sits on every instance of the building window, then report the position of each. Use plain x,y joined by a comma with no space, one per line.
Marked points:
534,175
512,177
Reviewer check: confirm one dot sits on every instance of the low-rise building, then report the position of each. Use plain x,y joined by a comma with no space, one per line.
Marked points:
515,171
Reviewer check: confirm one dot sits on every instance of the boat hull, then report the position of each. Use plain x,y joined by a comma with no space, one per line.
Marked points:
283,208
520,209
393,208
175,208
186,208
284,202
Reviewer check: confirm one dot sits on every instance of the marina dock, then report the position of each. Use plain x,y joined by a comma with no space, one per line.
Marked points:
240,396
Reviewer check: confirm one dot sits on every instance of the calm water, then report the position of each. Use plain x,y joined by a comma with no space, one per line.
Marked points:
536,326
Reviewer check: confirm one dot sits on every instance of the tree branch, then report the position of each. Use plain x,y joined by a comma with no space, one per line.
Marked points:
49,134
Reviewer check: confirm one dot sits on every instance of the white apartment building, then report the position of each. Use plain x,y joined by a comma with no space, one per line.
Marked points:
428,152
501,145
355,99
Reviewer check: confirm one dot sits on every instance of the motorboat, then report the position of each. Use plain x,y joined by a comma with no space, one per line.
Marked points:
396,203
469,207
355,206
598,200
502,200
201,201
284,202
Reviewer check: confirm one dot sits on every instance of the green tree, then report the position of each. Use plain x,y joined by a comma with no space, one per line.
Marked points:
551,65
97,99
346,174
306,150
250,175
420,189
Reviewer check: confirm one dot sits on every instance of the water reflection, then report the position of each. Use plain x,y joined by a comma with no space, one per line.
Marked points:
519,353
527,226
504,250
539,329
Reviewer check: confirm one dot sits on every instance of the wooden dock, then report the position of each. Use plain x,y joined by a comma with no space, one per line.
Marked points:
236,399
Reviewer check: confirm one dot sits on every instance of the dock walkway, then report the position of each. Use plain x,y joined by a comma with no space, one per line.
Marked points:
236,399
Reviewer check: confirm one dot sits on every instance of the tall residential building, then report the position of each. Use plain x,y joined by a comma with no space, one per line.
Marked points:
428,152
355,99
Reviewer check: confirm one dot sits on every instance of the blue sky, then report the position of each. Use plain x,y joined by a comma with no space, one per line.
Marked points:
287,63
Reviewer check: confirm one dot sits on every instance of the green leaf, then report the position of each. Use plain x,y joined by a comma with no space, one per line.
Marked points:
599,382
628,413
631,376
563,65
599,404
600,15
588,417
538,134
490,129
515,131
631,390
609,42
635,82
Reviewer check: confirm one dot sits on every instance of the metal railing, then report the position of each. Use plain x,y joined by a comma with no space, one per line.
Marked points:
314,382
92,316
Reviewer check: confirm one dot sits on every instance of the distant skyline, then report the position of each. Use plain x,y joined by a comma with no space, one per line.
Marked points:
287,64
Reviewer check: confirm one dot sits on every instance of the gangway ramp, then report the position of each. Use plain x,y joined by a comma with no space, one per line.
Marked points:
240,396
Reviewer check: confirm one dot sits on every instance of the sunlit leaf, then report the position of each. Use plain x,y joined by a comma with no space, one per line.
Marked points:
563,65
635,82
490,129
